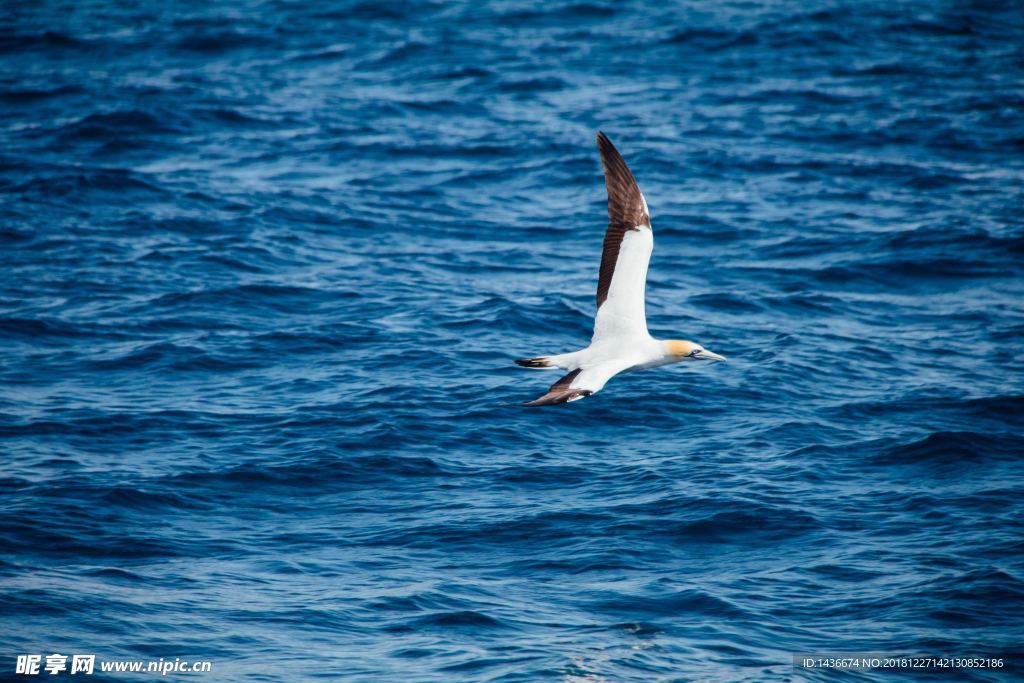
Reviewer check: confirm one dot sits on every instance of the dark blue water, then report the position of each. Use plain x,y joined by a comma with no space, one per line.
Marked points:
266,266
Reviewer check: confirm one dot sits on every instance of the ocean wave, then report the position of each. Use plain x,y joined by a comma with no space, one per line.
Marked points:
371,468
960,448
265,271
27,95
116,124
220,41
42,41
670,605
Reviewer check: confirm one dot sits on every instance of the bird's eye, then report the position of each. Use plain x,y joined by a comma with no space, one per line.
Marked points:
695,352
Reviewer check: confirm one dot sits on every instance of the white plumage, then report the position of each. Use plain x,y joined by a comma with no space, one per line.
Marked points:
621,341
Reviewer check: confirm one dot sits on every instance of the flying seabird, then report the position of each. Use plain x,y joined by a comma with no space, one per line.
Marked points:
621,341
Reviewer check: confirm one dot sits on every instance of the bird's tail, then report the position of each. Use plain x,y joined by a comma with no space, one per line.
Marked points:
540,362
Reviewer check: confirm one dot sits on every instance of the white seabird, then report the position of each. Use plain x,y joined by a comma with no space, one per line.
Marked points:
621,341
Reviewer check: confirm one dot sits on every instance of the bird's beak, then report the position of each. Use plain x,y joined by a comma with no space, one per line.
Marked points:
708,355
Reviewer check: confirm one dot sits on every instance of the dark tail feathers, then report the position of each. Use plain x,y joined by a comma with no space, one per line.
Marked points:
541,362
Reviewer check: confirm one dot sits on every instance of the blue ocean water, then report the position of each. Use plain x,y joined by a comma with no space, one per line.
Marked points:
266,266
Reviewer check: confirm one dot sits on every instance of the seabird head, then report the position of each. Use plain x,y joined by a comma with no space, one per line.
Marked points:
679,349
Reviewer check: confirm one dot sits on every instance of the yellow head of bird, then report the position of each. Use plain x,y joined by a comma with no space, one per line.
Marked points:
680,349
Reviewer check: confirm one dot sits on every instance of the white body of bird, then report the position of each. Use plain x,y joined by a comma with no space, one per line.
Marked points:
621,340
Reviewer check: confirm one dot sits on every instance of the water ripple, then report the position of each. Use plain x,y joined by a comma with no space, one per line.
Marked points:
265,268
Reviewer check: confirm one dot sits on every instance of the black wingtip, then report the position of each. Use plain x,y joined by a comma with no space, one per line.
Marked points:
609,153
534,362
552,399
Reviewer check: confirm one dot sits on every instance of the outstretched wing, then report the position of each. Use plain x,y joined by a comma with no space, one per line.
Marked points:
628,243
562,391
581,383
